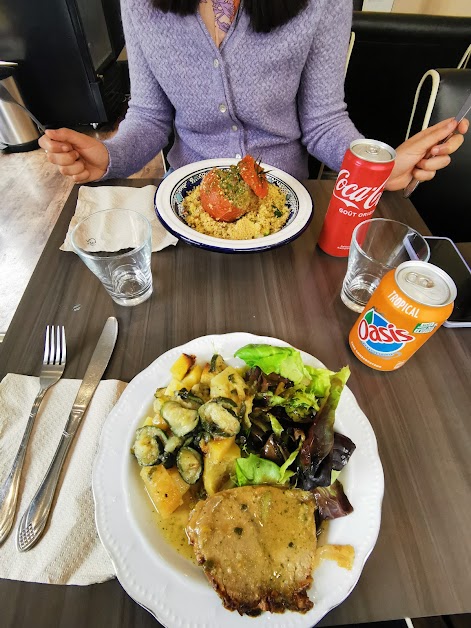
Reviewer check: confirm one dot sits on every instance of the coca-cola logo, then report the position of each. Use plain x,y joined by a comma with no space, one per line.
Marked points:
354,196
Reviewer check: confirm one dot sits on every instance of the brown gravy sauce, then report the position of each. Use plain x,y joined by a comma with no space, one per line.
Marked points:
172,529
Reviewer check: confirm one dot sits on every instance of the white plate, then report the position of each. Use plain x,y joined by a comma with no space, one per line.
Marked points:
174,590
173,189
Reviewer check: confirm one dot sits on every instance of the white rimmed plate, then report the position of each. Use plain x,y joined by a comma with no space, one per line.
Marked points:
174,590
173,189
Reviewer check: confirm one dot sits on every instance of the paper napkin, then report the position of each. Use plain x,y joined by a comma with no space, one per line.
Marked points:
70,551
95,199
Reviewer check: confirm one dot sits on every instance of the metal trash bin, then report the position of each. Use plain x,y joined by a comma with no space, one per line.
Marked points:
17,131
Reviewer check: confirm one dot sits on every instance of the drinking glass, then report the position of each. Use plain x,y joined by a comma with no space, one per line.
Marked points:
116,246
377,246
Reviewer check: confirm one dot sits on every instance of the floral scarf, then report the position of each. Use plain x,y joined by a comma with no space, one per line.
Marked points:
218,16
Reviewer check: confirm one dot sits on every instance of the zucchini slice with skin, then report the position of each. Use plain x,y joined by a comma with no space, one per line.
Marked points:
190,464
162,436
173,443
147,445
218,419
181,420
217,364
188,399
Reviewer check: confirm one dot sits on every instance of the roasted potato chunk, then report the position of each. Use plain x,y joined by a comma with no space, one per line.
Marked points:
181,367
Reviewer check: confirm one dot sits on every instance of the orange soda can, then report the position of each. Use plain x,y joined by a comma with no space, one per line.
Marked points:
406,309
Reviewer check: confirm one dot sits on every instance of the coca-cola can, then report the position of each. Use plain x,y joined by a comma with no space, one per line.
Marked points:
363,175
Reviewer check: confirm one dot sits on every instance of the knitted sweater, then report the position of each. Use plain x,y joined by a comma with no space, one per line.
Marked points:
274,95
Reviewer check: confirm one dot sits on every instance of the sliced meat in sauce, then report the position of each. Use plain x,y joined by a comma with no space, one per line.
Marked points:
257,547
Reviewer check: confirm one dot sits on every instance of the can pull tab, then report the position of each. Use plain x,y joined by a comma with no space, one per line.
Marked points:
422,284
372,149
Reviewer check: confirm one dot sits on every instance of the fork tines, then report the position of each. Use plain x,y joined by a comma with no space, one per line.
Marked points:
54,345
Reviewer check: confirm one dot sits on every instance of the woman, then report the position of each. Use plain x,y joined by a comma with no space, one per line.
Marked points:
265,78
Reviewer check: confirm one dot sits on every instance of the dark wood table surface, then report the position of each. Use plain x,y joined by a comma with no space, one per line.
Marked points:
421,564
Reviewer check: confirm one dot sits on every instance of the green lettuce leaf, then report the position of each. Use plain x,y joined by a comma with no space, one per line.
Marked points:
275,425
285,474
334,476
256,470
297,402
320,381
310,384
284,361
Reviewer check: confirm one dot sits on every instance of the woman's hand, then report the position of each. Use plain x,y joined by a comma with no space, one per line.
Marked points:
410,156
78,156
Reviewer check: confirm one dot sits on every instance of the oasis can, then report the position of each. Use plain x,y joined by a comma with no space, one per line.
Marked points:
406,309
363,175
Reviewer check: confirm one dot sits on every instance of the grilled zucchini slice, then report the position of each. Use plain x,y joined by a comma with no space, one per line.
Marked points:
188,399
190,464
147,445
181,420
217,418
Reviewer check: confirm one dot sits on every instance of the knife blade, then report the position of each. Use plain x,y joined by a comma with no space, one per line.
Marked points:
413,183
34,519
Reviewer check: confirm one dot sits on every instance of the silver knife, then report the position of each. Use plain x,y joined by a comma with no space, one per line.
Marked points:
34,520
413,183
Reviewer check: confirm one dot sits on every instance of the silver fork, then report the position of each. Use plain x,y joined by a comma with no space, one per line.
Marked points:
51,371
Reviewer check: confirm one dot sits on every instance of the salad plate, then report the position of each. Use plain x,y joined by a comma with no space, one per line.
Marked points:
177,185
168,585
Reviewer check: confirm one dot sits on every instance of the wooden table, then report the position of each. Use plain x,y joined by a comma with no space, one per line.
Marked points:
421,564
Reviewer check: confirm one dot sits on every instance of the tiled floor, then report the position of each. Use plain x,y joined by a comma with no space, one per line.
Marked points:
32,194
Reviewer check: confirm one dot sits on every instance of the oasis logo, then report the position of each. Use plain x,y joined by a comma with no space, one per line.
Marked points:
380,336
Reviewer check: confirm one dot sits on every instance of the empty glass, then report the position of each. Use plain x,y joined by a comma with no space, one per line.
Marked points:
116,246
377,246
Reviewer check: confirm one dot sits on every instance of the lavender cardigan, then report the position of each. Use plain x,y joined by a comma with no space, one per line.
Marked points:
275,96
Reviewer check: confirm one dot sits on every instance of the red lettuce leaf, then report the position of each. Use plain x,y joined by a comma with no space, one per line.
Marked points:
331,501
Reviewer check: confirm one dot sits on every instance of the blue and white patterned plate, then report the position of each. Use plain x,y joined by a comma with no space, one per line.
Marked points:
173,189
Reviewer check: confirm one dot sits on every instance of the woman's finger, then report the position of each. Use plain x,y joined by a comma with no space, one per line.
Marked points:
82,177
76,168
448,147
51,146
434,134
463,125
434,163
454,142
423,175
63,159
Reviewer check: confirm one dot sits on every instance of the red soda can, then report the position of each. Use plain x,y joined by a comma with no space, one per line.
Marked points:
363,175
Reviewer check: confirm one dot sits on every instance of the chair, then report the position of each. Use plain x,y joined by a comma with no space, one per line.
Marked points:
465,58
392,52
444,202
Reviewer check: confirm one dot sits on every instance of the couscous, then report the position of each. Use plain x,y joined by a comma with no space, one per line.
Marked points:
270,216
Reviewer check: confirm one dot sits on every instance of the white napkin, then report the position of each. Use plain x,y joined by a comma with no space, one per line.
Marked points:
91,200
70,551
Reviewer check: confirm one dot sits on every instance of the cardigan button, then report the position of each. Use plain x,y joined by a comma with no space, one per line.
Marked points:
222,108
216,63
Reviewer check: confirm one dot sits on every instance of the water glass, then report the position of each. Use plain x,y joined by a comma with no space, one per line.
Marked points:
116,246
377,246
